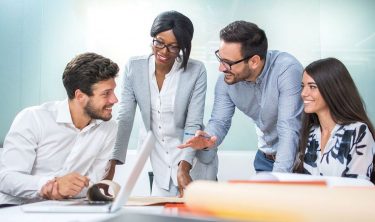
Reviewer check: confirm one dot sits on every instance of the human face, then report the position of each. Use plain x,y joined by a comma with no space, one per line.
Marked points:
99,105
164,56
312,99
230,53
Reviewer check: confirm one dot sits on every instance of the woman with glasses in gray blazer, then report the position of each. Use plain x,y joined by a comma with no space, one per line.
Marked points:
169,89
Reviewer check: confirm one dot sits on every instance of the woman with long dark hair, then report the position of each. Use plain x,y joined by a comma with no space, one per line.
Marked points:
337,137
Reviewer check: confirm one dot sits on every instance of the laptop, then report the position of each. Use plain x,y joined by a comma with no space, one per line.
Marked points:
85,206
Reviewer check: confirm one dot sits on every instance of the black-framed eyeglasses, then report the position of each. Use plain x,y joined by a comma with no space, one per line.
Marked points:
160,45
228,64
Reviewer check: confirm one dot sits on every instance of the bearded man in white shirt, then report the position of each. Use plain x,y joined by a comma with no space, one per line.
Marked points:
52,151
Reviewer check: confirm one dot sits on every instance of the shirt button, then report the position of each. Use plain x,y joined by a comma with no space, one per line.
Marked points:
169,166
166,152
159,127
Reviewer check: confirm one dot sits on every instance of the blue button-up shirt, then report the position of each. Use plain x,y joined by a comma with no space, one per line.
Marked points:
273,102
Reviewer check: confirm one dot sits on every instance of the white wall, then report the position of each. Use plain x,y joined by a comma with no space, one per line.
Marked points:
38,38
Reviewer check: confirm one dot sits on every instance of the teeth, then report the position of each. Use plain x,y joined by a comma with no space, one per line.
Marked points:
162,57
306,102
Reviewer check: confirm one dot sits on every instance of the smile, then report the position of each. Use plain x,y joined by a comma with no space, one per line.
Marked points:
108,108
162,58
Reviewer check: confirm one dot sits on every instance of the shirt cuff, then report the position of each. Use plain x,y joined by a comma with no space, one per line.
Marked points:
207,156
118,161
42,181
189,154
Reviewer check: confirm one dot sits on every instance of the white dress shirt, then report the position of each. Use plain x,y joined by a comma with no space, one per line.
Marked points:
165,156
43,143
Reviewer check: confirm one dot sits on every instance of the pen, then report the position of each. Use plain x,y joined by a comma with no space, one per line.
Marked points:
192,134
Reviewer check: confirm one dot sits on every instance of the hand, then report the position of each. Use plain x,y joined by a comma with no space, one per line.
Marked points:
200,141
71,184
108,175
183,176
51,191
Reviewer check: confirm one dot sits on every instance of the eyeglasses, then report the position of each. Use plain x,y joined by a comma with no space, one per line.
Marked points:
160,45
228,64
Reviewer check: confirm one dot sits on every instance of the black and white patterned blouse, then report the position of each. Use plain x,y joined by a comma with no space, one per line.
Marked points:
348,153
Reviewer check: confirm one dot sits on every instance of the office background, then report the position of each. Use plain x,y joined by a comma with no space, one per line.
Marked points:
38,38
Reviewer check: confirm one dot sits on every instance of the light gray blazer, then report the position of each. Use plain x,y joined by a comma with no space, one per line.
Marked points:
188,113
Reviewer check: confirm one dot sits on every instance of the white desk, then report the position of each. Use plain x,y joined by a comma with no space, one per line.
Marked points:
128,214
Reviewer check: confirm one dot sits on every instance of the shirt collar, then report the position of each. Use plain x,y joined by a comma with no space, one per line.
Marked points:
63,114
264,70
317,129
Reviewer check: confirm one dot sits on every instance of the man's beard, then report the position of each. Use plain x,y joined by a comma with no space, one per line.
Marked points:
94,113
235,78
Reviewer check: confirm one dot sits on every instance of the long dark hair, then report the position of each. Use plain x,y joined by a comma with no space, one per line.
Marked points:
341,96
182,28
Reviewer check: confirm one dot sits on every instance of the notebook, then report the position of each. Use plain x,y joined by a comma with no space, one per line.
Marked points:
84,206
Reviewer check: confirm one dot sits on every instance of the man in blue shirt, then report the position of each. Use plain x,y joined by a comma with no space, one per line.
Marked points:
266,86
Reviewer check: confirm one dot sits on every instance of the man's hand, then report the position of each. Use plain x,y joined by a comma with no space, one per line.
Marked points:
50,191
108,175
71,184
200,141
183,176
